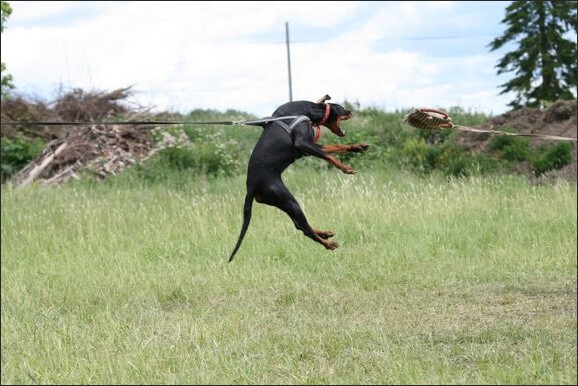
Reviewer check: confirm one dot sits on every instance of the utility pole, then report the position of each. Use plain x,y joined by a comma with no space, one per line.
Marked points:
288,61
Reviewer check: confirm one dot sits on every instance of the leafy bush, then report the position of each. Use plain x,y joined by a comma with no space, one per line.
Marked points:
414,152
452,161
446,157
551,157
17,153
207,153
510,148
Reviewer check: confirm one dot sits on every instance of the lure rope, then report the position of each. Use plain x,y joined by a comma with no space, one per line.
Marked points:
432,119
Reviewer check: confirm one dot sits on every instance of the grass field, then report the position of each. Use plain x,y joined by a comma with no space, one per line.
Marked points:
467,281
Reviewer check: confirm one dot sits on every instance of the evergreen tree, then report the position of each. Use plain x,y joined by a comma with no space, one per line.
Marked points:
545,60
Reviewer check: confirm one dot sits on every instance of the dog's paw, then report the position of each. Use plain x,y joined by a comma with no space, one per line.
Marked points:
331,245
358,148
348,170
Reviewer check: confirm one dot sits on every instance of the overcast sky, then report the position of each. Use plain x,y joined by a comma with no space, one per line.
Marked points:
180,56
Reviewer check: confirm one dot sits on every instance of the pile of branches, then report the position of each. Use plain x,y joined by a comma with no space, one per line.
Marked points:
98,149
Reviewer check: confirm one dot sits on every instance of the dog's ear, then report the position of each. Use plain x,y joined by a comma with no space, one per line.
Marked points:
323,99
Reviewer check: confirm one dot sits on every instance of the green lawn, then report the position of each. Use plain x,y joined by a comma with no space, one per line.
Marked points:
466,281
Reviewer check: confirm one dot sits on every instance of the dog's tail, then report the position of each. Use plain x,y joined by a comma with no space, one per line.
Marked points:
247,210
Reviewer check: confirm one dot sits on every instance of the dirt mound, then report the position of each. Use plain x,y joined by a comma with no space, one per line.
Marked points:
559,119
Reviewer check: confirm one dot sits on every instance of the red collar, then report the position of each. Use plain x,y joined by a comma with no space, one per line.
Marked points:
317,130
326,115
317,127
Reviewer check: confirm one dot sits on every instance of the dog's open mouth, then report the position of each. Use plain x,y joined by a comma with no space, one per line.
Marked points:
337,128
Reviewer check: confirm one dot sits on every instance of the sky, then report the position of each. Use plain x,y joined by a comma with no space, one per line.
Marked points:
182,56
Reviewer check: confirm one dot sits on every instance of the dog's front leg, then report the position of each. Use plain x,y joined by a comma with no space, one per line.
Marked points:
353,148
340,149
340,165
309,148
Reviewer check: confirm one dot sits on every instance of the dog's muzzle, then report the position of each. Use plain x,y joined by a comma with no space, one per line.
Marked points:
338,130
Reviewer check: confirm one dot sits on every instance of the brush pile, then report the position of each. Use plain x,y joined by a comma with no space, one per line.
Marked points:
85,148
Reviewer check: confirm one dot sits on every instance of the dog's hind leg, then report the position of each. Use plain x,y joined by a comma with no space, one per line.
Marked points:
279,196
294,211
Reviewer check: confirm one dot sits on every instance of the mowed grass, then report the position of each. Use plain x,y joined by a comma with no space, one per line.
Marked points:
467,281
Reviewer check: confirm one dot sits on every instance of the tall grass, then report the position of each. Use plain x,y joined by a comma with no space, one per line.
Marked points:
435,282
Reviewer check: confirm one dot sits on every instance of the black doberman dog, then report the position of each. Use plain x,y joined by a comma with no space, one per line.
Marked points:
291,134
